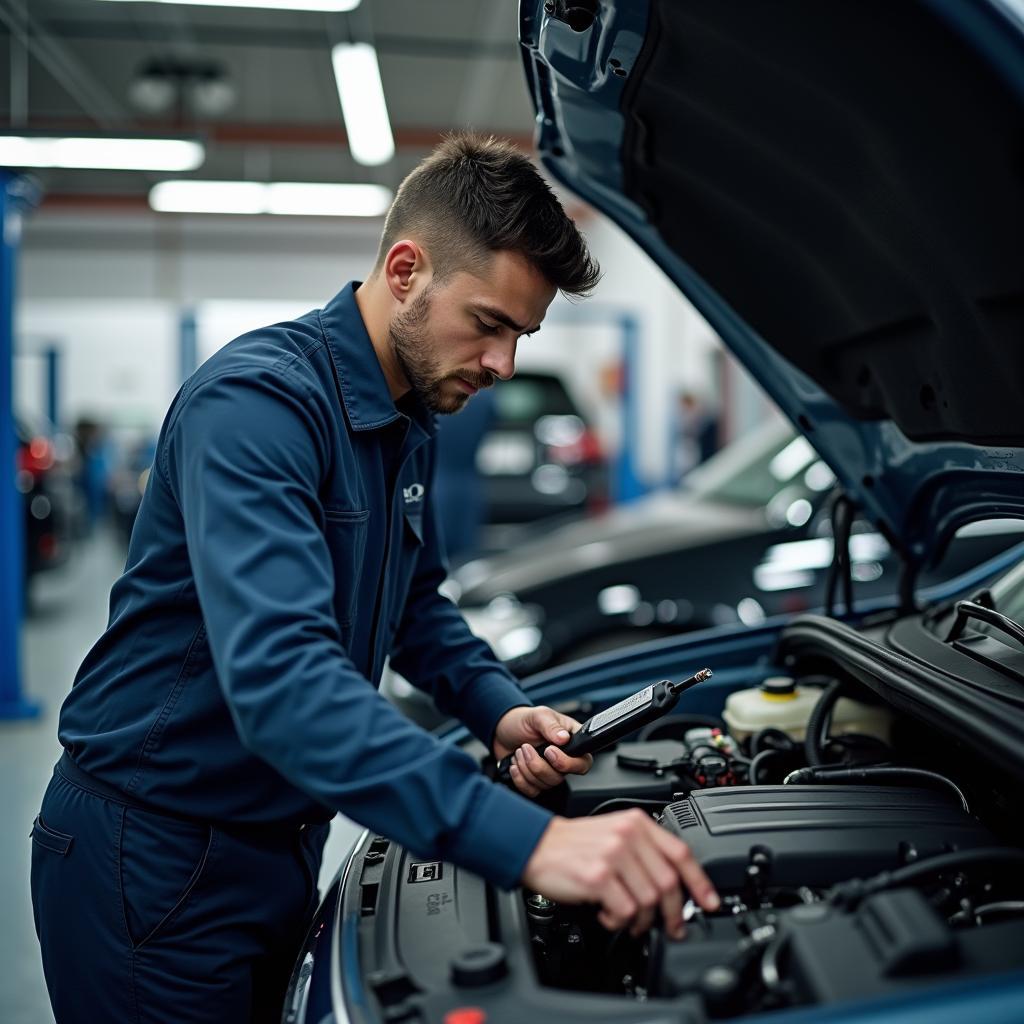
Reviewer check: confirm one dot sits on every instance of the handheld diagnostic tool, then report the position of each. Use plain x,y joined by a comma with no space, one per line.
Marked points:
610,725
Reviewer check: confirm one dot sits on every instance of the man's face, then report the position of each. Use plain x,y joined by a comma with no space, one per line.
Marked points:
460,336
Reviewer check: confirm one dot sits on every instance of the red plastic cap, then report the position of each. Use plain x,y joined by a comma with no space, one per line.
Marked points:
465,1015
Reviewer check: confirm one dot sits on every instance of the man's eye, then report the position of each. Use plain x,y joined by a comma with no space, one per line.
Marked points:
486,327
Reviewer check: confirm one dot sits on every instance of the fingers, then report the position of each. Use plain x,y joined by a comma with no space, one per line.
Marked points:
689,870
617,906
523,784
567,765
557,729
552,726
535,770
645,893
624,861
651,869
648,877
665,881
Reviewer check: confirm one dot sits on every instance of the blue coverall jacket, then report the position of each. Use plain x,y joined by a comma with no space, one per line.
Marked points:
286,544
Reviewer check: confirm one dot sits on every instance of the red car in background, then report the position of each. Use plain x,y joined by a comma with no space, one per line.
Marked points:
43,476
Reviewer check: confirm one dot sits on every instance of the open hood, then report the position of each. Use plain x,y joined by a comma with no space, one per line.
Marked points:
839,189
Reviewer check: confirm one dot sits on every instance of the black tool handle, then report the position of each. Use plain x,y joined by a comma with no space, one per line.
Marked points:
609,726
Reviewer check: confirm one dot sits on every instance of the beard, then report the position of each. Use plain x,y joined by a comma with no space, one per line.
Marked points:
416,353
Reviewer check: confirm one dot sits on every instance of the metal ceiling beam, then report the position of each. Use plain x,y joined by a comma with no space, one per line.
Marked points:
295,39
63,66
243,133
480,92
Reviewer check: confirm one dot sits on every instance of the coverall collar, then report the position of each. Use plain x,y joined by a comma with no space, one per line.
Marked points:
361,381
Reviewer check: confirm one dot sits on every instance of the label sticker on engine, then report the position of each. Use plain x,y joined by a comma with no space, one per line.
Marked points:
427,871
615,712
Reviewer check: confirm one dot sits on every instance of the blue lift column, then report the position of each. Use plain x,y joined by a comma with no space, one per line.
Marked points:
628,480
17,196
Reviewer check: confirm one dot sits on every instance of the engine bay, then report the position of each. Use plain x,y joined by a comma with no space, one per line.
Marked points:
847,887
854,861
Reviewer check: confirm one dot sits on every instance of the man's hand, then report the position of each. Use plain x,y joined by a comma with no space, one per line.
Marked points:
625,862
519,730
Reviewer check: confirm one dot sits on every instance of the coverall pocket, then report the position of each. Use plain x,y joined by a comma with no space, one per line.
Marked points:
161,861
50,839
346,540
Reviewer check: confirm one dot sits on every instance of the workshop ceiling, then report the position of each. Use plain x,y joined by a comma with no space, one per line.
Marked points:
75,65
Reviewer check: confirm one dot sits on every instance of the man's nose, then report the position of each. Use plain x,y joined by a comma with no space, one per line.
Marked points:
500,357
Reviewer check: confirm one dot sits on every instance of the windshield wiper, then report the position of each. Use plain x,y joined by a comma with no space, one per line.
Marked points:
966,610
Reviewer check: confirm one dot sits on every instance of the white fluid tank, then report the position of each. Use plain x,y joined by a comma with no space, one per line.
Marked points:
779,703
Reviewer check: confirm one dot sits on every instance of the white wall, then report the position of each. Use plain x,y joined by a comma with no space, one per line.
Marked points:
118,359
110,289
186,260
109,293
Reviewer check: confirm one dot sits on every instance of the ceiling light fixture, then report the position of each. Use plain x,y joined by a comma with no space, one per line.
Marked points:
295,198
330,6
357,75
101,152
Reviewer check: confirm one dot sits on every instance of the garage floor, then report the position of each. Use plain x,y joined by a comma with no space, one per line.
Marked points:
70,610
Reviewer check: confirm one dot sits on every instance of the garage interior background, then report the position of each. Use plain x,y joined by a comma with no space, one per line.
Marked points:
115,303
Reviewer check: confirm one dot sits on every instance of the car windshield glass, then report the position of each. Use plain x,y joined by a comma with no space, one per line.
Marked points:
524,399
756,467
1008,597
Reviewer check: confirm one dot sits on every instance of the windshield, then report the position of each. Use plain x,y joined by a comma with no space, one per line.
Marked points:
522,400
1008,595
755,468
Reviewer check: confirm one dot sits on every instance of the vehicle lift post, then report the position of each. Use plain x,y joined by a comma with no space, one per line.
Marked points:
18,195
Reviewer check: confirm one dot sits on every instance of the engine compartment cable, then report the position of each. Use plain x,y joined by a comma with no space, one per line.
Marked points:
887,772
851,892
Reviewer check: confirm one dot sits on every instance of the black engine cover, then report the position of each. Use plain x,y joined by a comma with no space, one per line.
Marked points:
817,835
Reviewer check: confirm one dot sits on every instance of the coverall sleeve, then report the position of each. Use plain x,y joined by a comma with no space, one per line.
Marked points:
438,653
244,458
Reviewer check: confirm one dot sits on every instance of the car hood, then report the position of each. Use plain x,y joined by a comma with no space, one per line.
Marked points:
658,524
839,189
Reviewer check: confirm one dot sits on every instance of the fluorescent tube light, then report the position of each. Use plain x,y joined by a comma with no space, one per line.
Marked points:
268,5
362,103
297,198
324,200
208,197
102,153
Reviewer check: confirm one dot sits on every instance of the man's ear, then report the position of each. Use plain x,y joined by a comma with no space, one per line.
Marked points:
406,269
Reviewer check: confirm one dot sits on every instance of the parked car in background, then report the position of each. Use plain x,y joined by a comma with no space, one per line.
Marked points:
748,536
43,475
541,456
837,187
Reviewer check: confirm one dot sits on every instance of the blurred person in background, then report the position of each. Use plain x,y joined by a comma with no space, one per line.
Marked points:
697,433
93,476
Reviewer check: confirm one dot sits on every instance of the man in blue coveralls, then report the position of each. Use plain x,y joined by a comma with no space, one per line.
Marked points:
285,546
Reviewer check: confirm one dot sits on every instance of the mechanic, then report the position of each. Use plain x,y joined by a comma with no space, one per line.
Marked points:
285,546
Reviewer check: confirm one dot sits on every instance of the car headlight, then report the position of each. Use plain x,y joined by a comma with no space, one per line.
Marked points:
510,628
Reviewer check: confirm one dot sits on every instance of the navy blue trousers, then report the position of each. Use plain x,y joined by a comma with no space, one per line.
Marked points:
144,918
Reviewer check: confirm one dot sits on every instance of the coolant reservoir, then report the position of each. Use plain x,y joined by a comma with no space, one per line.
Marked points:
778,702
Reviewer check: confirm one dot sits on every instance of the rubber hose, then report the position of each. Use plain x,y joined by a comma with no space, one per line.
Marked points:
869,772
757,763
817,725
781,740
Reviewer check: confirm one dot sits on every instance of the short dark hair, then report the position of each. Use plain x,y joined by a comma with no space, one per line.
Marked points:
476,195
